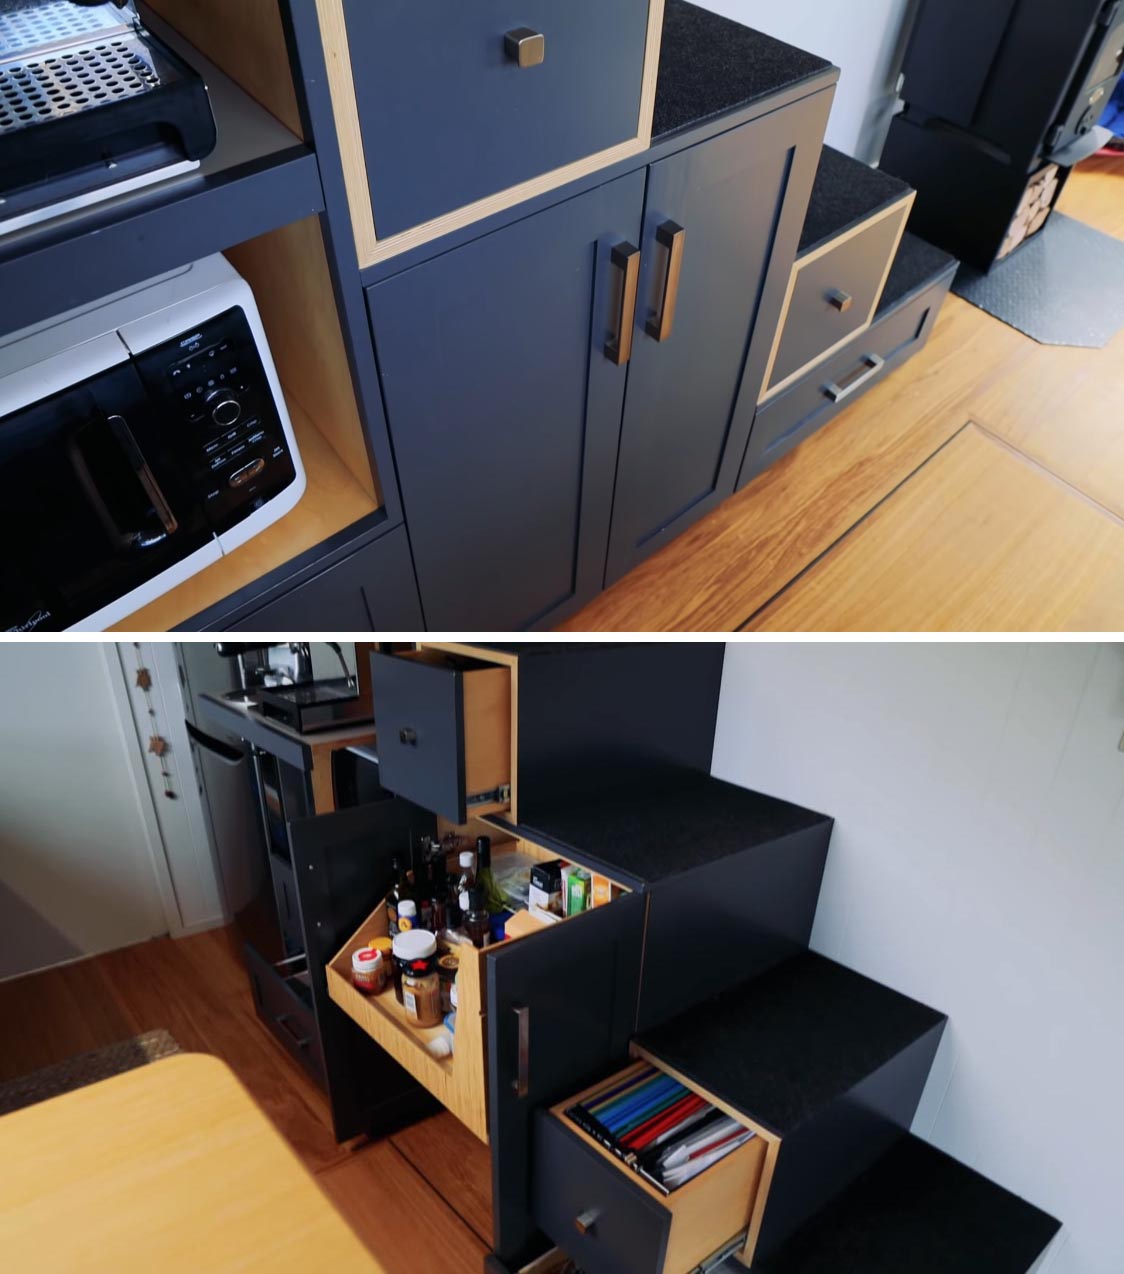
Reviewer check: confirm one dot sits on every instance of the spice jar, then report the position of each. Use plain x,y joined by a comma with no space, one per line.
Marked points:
386,946
368,971
447,968
417,985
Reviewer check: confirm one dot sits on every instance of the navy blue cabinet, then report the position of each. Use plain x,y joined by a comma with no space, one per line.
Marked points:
505,410
720,232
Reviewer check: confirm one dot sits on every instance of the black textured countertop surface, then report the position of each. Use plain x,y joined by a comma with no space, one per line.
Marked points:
846,192
786,1044
917,264
661,822
709,65
917,1211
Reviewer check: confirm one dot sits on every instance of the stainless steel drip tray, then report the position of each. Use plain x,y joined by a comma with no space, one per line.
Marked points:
42,25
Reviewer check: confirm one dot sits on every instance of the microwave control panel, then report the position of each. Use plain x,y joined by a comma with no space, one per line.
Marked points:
215,397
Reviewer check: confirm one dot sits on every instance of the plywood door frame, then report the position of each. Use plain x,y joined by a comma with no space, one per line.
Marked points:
901,209
341,86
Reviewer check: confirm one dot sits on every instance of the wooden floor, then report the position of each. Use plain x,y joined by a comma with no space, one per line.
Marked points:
979,488
420,1200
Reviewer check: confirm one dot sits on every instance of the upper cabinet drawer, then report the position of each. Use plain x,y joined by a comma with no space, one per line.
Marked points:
448,111
443,728
834,293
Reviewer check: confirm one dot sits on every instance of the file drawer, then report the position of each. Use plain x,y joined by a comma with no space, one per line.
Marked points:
834,293
450,111
443,724
787,419
611,1221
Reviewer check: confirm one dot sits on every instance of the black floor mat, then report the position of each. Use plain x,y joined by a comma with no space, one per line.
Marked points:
1064,287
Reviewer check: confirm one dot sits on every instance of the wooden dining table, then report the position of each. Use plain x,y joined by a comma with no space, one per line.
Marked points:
168,1167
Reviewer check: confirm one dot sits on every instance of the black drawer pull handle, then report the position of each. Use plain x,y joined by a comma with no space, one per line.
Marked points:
408,737
626,258
873,365
842,301
522,1082
283,1020
586,1223
672,237
524,47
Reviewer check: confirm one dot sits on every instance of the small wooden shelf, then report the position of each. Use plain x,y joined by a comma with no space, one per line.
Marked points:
333,499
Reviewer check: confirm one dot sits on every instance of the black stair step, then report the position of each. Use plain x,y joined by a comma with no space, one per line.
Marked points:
846,192
663,822
786,1045
918,1210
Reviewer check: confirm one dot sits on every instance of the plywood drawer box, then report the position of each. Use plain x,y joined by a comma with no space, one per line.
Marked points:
855,222
448,111
444,730
609,1219
899,331
532,972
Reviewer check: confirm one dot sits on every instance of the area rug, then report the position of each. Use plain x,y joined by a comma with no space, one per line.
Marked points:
85,1068
1064,287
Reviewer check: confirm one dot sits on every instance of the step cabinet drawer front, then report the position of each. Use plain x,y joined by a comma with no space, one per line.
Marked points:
785,421
605,1222
283,1000
449,110
835,292
444,731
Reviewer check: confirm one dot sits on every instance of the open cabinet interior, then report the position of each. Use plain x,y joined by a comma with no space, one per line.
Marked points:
458,1081
288,272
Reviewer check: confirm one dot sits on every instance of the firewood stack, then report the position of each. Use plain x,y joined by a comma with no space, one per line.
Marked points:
1034,209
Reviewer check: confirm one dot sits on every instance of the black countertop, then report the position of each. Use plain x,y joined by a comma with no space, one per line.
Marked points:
657,823
916,266
785,1045
846,192
710,65
918,1211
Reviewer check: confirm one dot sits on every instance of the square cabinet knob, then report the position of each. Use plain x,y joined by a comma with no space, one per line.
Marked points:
526,47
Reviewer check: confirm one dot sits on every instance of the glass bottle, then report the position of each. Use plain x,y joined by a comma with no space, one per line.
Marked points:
438,892
477,921
466,882
493,899
400,890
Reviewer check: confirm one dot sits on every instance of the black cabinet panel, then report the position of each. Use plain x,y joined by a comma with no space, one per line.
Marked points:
705,305
372,589
573,994
505,411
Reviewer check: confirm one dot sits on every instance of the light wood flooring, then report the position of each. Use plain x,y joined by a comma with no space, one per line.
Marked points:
420,1200
979,488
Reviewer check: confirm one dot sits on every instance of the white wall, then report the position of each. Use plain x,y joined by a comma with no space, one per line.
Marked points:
977,863
862,37
77,873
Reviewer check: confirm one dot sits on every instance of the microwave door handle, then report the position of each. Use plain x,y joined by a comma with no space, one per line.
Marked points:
147,478
123,436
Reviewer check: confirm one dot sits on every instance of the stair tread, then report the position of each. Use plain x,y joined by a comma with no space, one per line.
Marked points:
846,192
920,1210
785,1045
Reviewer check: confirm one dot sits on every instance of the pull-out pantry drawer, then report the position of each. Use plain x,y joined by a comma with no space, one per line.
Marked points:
560,997
444,731
449,111
612,1221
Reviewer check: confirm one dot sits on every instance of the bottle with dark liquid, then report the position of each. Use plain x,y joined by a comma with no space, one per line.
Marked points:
438,892
477,922
401,889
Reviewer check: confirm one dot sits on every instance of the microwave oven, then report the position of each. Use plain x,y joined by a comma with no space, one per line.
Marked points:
141,438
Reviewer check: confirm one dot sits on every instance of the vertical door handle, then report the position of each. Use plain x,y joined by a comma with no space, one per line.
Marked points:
672,237
626,259
522,1081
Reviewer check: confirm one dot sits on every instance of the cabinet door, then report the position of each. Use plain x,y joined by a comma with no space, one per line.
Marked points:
720,232
341,866
505,411
561,1009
